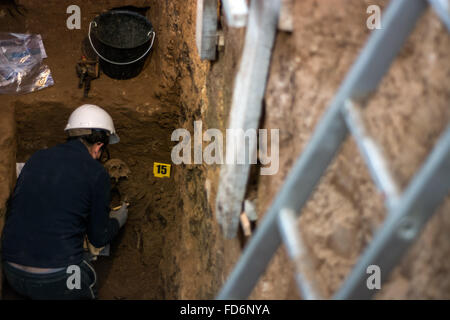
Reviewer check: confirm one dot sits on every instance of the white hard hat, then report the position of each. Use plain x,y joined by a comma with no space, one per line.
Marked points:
89,116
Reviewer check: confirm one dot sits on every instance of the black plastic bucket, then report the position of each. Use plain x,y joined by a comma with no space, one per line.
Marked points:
122,40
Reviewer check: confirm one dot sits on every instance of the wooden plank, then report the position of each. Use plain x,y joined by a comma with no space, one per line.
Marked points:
206,29
236,12
246,226
249,88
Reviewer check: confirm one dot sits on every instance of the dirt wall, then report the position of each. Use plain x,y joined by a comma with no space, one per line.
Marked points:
172,246
307,67
406,116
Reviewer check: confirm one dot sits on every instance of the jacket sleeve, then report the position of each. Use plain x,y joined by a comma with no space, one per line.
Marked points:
101,228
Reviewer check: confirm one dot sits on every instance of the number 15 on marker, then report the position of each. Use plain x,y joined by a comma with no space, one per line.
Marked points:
161,170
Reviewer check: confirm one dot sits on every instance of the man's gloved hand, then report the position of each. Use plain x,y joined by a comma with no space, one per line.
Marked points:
120,215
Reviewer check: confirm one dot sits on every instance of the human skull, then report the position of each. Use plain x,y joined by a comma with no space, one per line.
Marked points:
117,169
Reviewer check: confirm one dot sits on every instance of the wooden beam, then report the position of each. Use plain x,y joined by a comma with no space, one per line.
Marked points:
249,88
206,30
236,12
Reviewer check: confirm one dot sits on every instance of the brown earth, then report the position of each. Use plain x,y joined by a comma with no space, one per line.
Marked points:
145,112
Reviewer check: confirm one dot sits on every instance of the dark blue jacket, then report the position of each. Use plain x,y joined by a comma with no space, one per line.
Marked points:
61,195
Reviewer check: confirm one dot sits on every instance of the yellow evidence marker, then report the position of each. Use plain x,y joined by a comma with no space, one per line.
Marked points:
161,170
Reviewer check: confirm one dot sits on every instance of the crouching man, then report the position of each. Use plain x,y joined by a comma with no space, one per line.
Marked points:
62,194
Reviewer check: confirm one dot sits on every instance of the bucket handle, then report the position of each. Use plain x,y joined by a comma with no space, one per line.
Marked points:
120,63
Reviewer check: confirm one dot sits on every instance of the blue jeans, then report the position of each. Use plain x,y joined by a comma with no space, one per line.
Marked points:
52,286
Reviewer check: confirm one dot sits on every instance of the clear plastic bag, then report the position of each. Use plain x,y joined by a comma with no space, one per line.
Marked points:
21,67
